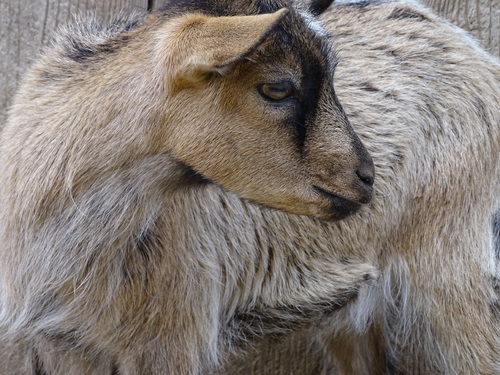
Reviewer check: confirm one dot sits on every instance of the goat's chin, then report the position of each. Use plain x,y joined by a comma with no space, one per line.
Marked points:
324,205
331,209
334,212
339,208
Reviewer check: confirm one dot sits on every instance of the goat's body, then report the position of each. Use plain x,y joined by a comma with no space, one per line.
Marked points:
425,100
417,86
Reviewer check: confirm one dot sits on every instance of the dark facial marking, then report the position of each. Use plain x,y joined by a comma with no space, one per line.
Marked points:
312,84
310,51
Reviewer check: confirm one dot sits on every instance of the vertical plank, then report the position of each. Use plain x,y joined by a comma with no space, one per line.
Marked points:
155,4
480,17
26,25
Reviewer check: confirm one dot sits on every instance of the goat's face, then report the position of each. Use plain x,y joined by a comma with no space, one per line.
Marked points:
262,120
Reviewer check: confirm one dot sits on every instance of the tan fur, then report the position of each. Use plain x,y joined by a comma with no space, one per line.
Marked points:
128,241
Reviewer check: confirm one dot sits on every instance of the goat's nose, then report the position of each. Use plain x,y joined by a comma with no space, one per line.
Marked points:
366,172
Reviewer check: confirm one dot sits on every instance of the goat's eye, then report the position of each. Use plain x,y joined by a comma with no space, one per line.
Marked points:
276,91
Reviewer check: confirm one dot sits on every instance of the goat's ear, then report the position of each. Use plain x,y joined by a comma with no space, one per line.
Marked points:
317,7
210,45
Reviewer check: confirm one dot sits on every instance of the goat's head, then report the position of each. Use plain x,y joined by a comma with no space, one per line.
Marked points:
253,107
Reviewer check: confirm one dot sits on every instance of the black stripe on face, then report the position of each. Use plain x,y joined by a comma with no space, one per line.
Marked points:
310,52
312,84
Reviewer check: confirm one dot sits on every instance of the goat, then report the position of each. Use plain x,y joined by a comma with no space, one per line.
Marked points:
425,100
145,168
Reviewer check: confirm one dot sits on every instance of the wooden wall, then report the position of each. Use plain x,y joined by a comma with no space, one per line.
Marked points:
26,25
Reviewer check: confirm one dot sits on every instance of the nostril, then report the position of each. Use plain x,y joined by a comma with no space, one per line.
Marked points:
366,174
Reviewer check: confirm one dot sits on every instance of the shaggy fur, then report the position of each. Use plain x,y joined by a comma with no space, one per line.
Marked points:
425,99
132,153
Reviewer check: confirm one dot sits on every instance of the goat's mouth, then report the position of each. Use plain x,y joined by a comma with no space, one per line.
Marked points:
340,206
